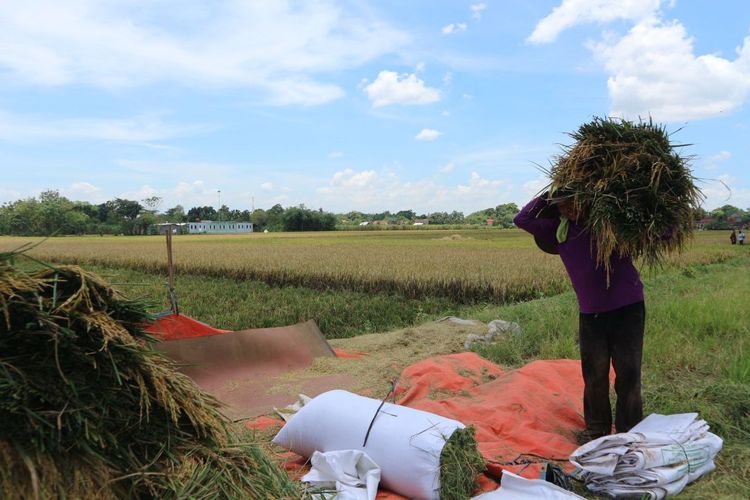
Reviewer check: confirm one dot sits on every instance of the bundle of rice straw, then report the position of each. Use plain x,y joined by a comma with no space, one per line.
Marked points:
634,191
90,410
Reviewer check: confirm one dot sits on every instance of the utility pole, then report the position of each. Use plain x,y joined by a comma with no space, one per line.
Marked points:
253,205
219,190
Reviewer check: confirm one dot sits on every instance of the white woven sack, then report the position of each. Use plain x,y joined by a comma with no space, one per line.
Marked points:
405,443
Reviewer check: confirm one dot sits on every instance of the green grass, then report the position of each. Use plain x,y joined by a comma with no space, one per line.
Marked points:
696,355
234,305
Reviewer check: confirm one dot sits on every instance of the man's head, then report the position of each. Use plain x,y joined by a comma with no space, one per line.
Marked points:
563,200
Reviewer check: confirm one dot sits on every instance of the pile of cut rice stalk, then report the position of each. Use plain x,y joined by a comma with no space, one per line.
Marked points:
632,189
90,410
460,464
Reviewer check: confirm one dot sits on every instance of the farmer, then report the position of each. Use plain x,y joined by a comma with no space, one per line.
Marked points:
611,318
733,237
741,237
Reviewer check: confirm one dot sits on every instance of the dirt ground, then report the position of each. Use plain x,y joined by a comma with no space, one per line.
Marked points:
385,356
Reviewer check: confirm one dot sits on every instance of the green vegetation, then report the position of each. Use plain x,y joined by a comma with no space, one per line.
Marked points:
238,304
460,463
52,214
90,410
696,355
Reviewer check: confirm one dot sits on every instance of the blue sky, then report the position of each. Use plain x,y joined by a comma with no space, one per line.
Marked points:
357,105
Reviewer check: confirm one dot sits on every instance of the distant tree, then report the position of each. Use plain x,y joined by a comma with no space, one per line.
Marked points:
480,217
197,214
259,218
275,218
224,213
152,202
176,214
455,217
504,214
127,209
438,218
303,219
406,215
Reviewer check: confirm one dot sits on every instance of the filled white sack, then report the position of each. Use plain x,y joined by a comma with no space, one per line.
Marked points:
405,443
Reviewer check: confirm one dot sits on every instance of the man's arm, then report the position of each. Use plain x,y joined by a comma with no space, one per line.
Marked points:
538,226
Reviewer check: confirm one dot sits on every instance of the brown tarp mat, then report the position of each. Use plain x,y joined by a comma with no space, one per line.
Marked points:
239,368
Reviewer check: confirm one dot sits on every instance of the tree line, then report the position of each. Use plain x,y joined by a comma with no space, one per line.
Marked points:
51,213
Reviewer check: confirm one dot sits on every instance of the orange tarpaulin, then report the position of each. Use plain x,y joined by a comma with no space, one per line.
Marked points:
522,417
178,326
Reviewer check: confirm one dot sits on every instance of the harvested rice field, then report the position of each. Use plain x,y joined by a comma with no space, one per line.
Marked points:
470,266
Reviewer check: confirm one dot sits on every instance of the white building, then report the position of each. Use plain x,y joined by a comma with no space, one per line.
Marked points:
207,227
218,227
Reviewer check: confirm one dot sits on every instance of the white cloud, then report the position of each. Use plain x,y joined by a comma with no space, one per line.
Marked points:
654,72
725,190
477,9
10,195
84,191
478,185
391,88
715,161
652,69
349,178
428,134
420,67
534,187
384,189
573,12
448,167
142,193
267,186
335,155
187,194
453,28
83,187
21,128
276,48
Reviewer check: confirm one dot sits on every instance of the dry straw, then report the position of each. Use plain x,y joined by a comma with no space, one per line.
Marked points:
90,410
634,190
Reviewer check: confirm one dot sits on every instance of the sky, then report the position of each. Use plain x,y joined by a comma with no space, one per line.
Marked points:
366,105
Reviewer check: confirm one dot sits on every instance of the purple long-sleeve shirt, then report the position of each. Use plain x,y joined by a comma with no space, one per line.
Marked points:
578,254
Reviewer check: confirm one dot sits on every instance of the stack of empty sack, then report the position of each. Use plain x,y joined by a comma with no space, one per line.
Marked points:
656,459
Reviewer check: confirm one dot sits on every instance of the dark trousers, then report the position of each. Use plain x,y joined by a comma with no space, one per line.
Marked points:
616,337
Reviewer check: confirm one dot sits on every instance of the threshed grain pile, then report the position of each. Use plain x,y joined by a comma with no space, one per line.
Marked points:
635,191
90,410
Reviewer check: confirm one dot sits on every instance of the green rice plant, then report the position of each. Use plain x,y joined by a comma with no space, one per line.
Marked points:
90,410
635,192
460,464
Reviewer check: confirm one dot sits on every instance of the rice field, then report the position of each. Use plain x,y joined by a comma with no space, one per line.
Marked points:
468,266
